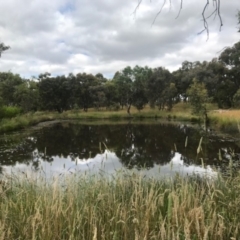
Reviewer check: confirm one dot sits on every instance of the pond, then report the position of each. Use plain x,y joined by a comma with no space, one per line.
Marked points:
153,148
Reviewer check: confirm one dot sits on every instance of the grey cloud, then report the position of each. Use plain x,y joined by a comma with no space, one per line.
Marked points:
51,33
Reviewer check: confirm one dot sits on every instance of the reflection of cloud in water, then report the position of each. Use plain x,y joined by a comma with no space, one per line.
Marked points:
177,165
107,164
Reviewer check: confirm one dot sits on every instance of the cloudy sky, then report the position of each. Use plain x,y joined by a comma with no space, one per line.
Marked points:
63,36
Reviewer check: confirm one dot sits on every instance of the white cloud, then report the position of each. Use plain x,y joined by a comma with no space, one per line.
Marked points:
63,36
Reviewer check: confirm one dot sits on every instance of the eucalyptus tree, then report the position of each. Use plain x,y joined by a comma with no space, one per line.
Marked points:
183,78
230,58
236,99
140,78
8,84
123,81
88,83
156,85
27,95
111,95
198,98
54,93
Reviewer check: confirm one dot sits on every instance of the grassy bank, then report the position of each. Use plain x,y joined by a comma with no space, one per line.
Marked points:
126,208
180,112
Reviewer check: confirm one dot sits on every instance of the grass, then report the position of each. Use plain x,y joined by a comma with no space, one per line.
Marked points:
128,207
30,119
181,112
226,119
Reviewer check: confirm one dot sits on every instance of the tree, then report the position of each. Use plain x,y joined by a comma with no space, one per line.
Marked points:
123,82
27,95
88,84
230,58
236,98
169,94
111,95
198,99
54,93
8,84
183,78
3,48
139,86
156,85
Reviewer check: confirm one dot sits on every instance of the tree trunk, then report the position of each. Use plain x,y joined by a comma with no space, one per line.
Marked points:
128,109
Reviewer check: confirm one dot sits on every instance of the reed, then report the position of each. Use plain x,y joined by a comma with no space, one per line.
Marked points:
125,206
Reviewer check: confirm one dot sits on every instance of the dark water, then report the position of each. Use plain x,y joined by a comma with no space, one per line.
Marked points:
154,148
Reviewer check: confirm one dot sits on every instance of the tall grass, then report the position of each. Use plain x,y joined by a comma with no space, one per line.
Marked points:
128,207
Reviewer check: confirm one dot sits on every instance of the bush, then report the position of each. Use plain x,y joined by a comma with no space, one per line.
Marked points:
9,111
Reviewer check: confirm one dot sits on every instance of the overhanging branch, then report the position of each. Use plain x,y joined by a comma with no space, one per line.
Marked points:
216,12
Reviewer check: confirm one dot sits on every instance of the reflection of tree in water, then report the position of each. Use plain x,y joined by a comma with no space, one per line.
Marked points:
140,147
17,150
136,145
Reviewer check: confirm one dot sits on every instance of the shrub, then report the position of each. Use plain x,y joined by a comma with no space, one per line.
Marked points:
9,111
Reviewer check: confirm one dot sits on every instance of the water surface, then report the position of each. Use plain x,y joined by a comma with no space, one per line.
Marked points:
156,149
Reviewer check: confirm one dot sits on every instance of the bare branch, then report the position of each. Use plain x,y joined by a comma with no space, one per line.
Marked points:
216,13
159,12
219,15
205,23
137,7
180,9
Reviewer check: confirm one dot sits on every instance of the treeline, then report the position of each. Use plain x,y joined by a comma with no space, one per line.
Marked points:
136,86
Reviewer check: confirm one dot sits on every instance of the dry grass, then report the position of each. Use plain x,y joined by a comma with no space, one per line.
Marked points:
226,119
128,207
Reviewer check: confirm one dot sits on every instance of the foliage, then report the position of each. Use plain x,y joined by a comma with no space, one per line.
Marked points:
236,99
3,48
137,86
198,98
9,111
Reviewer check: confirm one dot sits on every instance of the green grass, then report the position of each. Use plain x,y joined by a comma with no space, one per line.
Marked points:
181,112
29,119
128,207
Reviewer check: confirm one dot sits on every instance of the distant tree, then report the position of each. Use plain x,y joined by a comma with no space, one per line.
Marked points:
139,86
27,95
156,85
198,98
123,81
170,94
8,84
236,99
43,76
88,84
111,95
139,97
183,78
54,93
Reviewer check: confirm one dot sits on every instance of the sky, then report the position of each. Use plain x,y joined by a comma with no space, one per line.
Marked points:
105,36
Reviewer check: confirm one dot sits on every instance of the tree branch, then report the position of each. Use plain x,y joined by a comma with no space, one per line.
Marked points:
180,9
216,12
